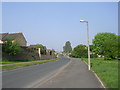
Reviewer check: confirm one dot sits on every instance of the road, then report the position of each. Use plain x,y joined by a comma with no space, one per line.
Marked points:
64,73
75,75
27,77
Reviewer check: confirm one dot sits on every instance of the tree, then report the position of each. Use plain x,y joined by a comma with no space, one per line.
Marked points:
106,44
10,47
93,54
79,51
92,47
42,48
67,48
118,46
53,51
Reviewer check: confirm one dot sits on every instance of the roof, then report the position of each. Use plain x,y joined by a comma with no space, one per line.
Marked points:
4,36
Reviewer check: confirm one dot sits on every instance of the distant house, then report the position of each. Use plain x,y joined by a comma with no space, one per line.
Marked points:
100,56
48,51
19,37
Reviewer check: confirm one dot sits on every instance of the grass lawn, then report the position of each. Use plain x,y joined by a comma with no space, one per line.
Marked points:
107,71
14,61
26,64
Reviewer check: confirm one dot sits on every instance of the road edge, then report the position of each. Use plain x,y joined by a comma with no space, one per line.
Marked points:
96,76
25,66
51,76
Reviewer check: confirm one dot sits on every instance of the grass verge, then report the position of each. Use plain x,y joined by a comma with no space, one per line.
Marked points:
107,71
14,61
14,66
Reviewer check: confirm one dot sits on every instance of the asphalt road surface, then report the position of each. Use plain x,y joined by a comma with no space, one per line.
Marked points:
75,75
27,77
64,73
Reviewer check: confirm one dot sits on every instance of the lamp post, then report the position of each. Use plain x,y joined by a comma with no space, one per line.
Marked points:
88,43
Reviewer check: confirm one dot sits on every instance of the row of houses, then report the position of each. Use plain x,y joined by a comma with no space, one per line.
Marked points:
25,52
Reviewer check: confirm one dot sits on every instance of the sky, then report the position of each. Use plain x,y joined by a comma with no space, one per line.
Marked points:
53,23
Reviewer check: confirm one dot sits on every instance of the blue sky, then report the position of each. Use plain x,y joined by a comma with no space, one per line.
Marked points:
54,23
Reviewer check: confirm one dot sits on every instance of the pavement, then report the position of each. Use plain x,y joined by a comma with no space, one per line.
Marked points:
75,75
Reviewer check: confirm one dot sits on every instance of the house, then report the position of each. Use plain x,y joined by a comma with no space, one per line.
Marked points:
19,37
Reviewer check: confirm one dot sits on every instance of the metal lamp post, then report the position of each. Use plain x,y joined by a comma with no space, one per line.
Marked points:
88,43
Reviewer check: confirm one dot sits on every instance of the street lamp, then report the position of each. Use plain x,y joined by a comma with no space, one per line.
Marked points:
88,43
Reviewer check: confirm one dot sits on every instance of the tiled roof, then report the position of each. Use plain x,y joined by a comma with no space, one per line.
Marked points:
4,36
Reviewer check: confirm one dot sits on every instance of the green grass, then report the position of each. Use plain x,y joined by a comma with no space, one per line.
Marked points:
14,61
26,64
107,71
